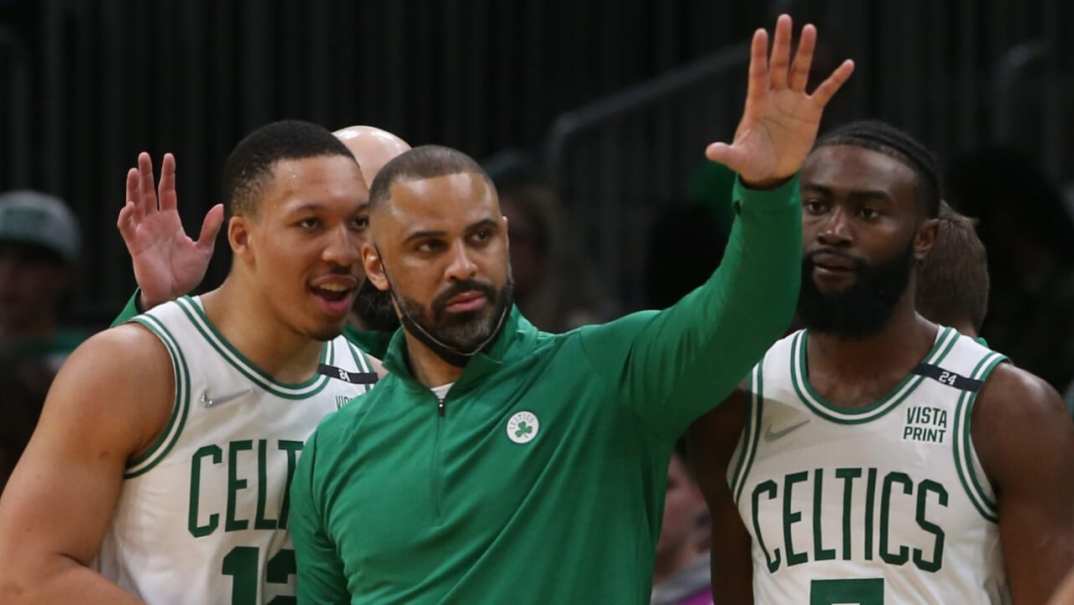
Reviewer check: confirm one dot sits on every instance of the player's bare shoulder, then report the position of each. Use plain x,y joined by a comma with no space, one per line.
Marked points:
1014,400
122,375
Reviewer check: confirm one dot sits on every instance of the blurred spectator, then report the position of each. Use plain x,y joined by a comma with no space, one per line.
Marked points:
681,569
952,283
554,286
1030,242
24,384
39,247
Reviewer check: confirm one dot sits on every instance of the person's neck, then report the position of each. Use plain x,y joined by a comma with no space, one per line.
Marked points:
429,368
242,317
854,372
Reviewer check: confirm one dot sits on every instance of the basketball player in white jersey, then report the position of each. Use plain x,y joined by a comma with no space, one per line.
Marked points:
159,470
875,457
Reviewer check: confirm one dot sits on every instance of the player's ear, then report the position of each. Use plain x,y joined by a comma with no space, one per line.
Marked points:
925,238
239,236
374,268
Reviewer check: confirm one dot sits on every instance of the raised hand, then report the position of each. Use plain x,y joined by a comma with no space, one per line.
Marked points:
167,263
780,121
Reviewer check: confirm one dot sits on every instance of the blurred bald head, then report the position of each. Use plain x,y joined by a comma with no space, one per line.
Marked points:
372,147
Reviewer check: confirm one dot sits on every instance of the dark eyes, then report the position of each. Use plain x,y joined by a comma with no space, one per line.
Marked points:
817,208
481,235
360,223
430,246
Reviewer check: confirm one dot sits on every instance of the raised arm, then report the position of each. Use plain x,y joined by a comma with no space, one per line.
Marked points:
167,263
63,492
1025,442
672,366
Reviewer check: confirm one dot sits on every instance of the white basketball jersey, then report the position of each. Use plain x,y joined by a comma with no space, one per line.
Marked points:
202,517
881,504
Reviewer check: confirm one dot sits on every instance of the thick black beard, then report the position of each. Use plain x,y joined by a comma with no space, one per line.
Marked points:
457,339
862,309
375,309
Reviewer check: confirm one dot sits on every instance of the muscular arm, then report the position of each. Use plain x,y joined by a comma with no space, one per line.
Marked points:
672,365
1025,442
710,444
61,497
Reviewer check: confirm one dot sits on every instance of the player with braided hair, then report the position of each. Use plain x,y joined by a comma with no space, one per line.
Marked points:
875,456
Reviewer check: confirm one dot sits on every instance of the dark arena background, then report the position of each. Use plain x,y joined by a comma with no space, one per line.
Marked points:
592,118
605,105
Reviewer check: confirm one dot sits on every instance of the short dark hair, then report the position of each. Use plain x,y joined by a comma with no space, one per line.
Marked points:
424,162
886,139
252,159
953,282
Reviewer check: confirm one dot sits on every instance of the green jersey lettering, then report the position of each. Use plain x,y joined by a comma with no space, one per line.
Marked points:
199,531
789,518
234,483
935,563
885,514
771,489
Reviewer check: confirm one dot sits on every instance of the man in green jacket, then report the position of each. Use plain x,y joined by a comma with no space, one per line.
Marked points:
499,464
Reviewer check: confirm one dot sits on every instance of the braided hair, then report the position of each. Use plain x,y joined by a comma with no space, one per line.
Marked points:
886,139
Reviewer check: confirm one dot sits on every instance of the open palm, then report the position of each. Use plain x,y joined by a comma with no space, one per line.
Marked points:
167,263
780,121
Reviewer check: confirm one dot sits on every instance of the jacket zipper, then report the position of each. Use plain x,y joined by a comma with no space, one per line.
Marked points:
437,469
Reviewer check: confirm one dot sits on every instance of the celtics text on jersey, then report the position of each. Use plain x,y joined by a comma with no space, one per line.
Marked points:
886,503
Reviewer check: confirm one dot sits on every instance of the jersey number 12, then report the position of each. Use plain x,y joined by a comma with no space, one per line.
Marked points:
241,565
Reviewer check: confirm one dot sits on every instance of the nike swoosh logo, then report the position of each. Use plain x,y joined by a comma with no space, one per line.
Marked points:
214,401
770,435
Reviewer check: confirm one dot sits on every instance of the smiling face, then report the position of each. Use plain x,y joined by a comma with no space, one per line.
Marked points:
300,247
863,229
440,244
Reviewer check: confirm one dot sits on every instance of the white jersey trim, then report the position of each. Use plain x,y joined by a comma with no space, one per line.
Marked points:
945,341
180,408
196,314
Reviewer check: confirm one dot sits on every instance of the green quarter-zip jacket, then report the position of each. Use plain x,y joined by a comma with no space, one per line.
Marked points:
541,477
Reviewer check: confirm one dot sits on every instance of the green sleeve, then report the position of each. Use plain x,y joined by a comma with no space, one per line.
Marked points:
320,571
674,365
128,311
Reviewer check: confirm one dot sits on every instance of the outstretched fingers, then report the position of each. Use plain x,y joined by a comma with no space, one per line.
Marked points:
169,199
133,203
757,84
730,156
781,53
210,227
829,87
147,186
803,59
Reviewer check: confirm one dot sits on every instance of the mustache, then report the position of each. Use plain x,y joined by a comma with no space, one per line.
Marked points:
459,287
810,257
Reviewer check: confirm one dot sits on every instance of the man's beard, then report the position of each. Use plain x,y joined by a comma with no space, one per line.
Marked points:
456,336
862,309
374,308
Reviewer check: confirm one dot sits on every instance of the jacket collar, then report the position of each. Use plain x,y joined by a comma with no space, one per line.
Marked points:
515,332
